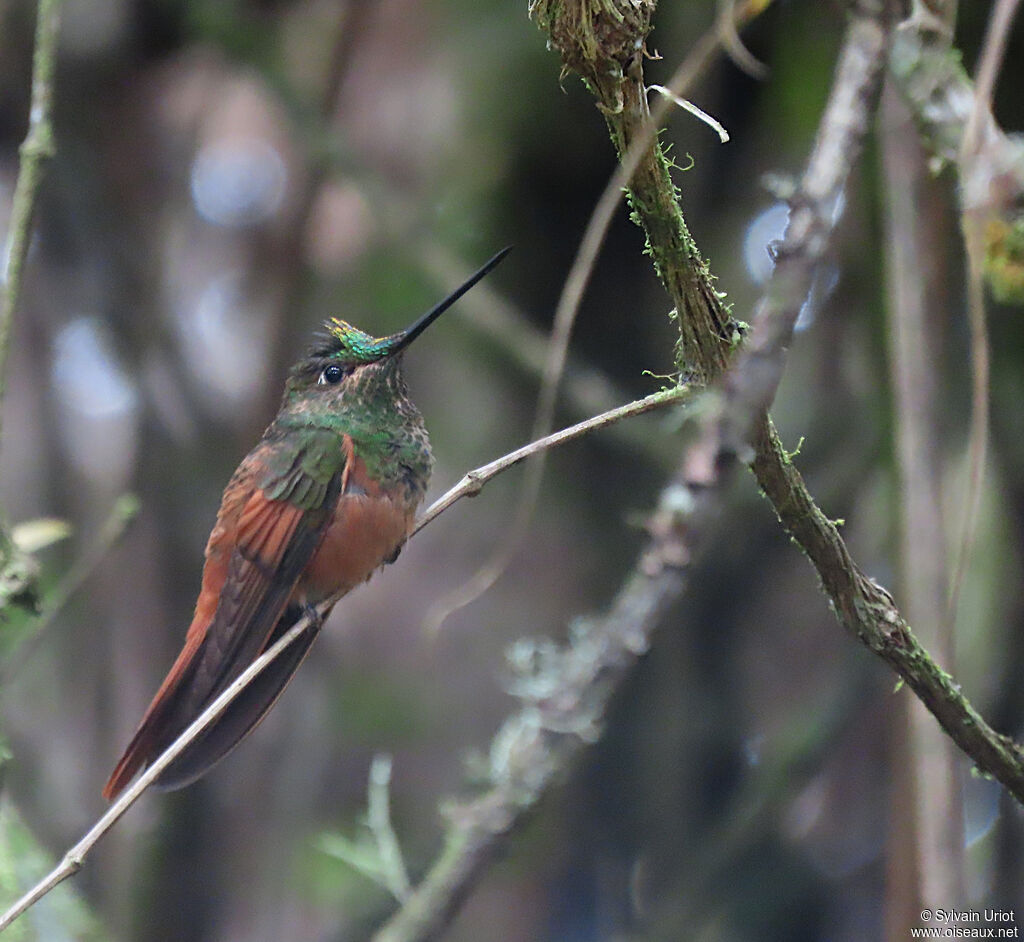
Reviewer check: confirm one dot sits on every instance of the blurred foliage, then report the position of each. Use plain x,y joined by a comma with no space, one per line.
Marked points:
62,916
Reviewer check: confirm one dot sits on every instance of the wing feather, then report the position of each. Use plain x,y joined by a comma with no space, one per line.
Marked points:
279,527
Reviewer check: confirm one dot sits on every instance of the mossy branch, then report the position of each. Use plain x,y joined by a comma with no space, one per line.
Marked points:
738,427
604,42
869,612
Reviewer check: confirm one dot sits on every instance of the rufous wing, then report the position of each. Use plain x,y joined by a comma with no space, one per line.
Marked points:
275,539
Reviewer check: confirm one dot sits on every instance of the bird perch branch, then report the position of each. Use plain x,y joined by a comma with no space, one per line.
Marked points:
71,862
471,483
565,690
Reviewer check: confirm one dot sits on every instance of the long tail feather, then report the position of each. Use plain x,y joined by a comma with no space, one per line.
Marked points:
244,712
227,731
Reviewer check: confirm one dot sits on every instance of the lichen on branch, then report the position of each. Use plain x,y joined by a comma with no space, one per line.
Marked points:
738,428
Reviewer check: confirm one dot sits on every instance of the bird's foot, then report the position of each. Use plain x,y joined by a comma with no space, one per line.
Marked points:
312,613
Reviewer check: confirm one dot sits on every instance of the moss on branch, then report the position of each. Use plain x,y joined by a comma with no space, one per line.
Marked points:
615,75
603,41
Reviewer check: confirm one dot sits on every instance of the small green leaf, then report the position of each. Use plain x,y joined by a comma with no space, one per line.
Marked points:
362,855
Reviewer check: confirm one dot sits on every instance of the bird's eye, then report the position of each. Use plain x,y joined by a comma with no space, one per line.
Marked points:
332,374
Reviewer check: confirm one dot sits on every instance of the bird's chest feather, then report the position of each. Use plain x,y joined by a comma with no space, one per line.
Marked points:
366,530
364,533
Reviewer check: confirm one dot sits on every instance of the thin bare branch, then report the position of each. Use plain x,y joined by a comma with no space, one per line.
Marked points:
728,28
37,148
586,389
990,62
473,482
72,861
977,206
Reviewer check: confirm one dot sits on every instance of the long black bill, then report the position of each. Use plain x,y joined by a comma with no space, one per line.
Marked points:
408,335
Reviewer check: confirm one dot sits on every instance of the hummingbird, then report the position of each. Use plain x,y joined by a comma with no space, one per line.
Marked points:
328,496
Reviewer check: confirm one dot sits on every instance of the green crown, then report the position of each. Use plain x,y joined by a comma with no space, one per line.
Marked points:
355,344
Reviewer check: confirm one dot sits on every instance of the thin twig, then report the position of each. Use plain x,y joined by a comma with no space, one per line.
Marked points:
72,860
37,148
699,114
973,222
576,282
473,482
728,28
586,390
990,62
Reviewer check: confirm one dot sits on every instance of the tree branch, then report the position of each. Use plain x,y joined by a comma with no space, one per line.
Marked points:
473,482
72,861
37,148
863,607
16,571
565,693
739,428
604,42
632,161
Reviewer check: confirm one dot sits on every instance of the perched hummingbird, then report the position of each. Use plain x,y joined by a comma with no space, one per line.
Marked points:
327,496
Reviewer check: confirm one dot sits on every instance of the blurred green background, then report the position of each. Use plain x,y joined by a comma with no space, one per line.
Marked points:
221,187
